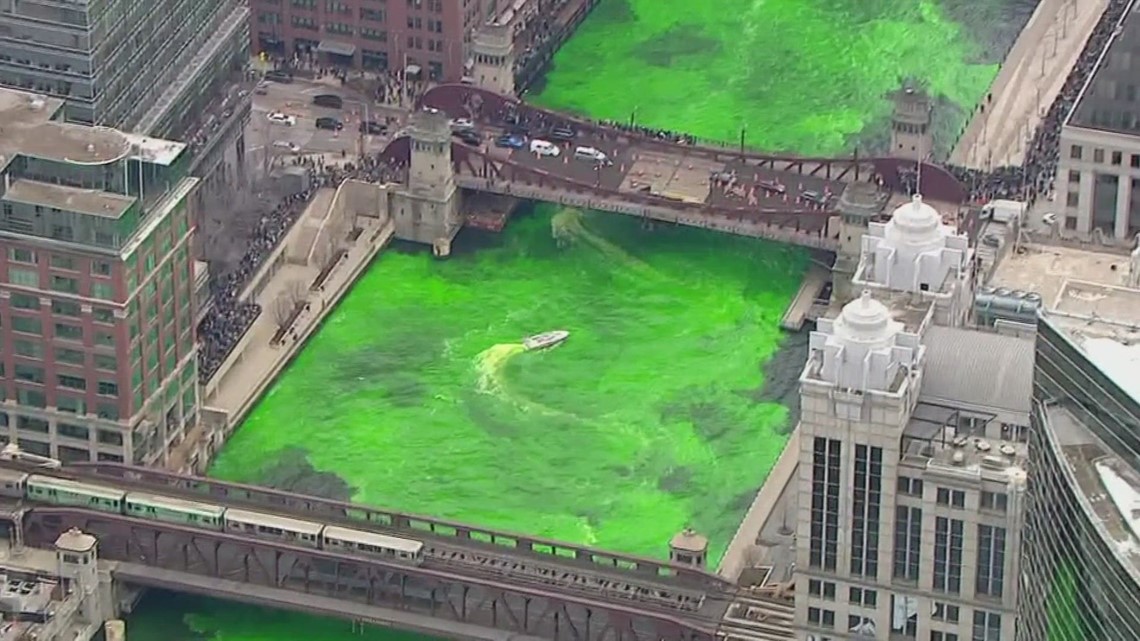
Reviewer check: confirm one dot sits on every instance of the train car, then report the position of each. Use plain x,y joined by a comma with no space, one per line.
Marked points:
172,510
46,489
339,539
275,528
12,483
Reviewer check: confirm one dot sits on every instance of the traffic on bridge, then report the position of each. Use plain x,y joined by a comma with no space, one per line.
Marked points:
267,538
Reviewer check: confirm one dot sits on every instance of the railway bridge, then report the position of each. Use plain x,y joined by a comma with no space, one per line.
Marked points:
781,197
473,582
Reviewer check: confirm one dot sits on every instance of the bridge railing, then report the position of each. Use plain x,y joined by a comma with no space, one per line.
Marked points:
404,522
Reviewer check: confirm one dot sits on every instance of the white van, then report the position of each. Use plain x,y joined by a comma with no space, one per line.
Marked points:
544,148
591,154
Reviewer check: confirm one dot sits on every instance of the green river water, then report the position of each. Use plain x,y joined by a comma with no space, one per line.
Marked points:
655,415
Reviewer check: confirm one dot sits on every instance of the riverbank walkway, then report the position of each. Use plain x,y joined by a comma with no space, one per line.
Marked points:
812,286
1027,83
256,362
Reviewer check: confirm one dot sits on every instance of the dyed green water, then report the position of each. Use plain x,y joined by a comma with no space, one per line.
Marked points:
416,394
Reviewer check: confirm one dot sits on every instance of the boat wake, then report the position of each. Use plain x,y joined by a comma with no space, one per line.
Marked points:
490,365
568,226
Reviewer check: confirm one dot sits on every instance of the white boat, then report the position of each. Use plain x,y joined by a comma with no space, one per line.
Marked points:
545,339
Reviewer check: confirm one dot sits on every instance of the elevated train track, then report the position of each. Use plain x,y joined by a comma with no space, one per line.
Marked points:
480,552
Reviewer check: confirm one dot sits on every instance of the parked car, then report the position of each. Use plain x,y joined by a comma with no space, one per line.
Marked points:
510,141
544,148
285,145
772,187
595,156
461,124
279,76
331,124
332,101
815,197
469,136
278,118
565,134
373,128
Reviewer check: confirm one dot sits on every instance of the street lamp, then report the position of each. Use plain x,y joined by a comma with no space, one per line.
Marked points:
633,117
743,130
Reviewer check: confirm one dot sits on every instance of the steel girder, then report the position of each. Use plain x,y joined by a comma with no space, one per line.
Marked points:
421,589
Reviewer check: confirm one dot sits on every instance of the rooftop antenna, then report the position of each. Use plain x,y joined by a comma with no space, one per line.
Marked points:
918,178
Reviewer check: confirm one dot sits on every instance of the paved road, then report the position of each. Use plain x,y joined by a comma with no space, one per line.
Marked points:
296,99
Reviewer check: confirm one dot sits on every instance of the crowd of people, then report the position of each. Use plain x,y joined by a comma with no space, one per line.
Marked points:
230,317
1034,177
650,132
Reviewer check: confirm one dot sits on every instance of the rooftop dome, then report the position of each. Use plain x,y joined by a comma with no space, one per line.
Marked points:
915,223
865,320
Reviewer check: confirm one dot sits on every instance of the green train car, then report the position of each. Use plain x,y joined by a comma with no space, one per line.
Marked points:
172,510
65,492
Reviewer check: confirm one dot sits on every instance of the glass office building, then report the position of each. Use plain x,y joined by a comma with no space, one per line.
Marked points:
1081,546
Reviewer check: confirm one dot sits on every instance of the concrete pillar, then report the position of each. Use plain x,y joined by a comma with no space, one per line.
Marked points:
911,136
492,48
115,630
1085,202
78,561
428,210
689,548
1123,206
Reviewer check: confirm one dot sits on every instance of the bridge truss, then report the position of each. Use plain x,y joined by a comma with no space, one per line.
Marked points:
437,593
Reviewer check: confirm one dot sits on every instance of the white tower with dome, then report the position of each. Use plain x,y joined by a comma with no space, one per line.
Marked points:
916,253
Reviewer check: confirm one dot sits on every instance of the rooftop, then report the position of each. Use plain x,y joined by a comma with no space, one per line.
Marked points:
26,128
92,202
154,150
1101,105
1110,488
982,370
1084,294
963,443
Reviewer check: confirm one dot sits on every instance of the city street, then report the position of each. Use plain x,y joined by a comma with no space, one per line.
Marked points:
296,99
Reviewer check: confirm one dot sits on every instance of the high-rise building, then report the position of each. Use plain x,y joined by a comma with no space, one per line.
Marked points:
1098,173
1081,550
97,352
420,36
912,463
136,66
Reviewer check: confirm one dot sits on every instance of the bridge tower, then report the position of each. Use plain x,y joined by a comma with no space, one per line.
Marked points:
79,565
859,203
428,210
911,137
492,48
689,548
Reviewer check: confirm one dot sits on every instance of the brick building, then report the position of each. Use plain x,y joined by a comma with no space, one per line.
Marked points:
97,353
429,36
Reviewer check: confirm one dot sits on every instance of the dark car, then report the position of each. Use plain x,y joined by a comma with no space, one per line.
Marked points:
332,124
815,197
512,141
772,187
373,128
279,76
564,134
332,101
469,136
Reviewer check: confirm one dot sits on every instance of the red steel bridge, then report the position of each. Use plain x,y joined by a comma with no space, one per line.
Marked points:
474,583
787,198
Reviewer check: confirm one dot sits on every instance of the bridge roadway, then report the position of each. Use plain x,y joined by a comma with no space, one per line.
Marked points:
664,179
472,561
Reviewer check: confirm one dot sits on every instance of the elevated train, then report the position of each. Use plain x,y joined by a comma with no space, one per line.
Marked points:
139,505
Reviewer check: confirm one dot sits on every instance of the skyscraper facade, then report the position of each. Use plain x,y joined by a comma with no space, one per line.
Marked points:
97,349
136,66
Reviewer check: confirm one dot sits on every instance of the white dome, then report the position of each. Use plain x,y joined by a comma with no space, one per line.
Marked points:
865,320
915,223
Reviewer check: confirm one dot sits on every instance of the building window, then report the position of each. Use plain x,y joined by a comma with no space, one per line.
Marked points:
29,373
904,619
73,431
29,424
65,284
102,291
864,597
24,277
1117,158
987,626
946,612
66,308
62,262
948,555
865,511
824,545
109,437
17,255
1098,155
69,356
68,332
70,404
1073,199
991,561
105,362
937,635
908,542
27,325
821,589
1074,176
107,411
105,339
910,486
952,498
108,388
821,617
995,501
27,348
100,268
25,301
103,315
1075,152
72,382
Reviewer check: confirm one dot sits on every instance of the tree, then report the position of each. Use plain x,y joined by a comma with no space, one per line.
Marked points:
285,305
